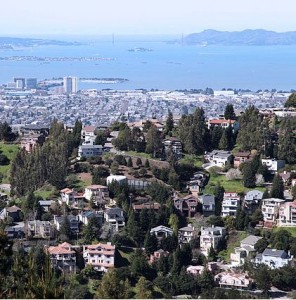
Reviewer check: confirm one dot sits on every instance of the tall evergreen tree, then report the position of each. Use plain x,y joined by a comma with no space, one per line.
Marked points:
277,189
229,112
169,123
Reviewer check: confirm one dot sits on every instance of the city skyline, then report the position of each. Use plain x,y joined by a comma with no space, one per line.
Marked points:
92,17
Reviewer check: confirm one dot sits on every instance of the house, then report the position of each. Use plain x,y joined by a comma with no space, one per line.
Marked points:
211,237
186,205
157,255
219,158
230,204
45,204
287,214
233,280
63,257
286,177
67,196
197,182
100,256
241,157
40,229
88,149
186,234
222,123
270,210
73,220
12,212
150,206
247,246
173,144
16,231
114,217
208,204
197,270
252,200
273,164
87,132
85,216
99,194
30,142
274,258
161,231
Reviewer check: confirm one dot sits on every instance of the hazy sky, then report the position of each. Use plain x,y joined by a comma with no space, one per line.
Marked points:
144,16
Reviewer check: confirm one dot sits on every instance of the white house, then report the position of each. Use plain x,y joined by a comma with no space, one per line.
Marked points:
67,196
270,210
273,164
121,179
287,214
161,231
219,158
88,132
88,149
97,193
211,237
274,258
100,256
233,280
230,204
247,246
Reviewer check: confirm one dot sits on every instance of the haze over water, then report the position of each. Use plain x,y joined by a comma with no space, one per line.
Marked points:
167,66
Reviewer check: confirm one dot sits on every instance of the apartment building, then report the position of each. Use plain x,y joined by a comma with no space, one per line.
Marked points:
230,204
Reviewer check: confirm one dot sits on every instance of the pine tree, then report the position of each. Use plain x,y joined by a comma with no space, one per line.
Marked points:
144,289
277,190
150,243
147,165
169,123
249,176
129,162
229,112
223,143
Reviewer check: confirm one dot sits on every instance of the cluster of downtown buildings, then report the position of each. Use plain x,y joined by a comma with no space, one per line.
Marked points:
26,101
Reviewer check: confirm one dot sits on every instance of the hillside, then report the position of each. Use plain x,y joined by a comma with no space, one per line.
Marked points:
246,37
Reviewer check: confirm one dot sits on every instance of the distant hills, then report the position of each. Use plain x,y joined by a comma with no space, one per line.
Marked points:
246,37
12,42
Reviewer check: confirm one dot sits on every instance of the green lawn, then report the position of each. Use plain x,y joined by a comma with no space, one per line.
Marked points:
234,239
292,230
46,192
10,150
235,186
137,154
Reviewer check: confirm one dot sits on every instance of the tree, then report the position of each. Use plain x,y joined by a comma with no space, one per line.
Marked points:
100,138
262,278
150,243
229,112
223,143
154,143
216,134
287,141
139,162
140,267
219,195
174,223
114,168
291,101
91,230
212,254
147,164
65,229
249,176
133,229
261,245
250,135
129,162
277,189
169,123
111,287
144,289
142,172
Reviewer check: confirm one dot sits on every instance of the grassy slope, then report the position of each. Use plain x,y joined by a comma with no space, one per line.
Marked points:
10,150
234,240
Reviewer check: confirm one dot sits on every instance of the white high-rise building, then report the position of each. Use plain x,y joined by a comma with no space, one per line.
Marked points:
70,85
